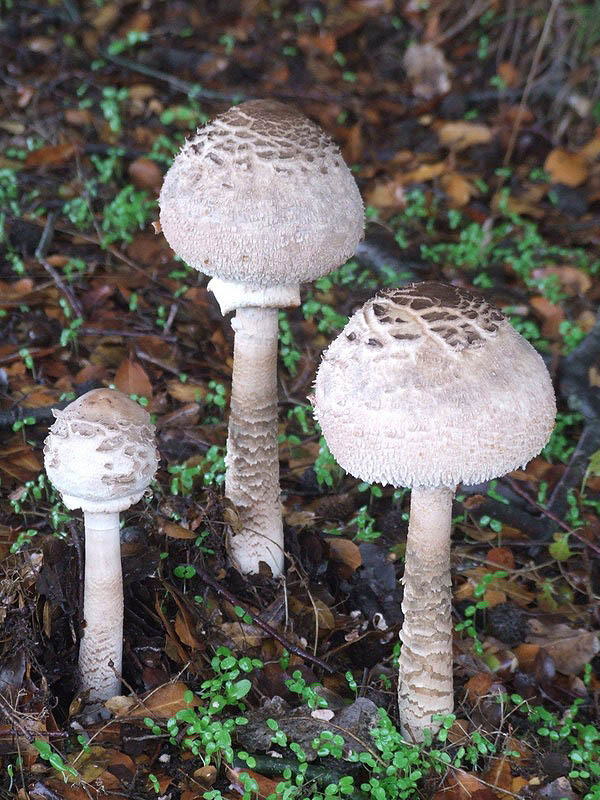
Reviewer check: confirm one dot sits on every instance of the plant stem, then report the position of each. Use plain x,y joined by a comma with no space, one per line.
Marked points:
252,478
102,640
425,680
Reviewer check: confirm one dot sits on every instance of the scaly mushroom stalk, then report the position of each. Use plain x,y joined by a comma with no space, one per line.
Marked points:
425,678
261,200
252,478
101,646
429,386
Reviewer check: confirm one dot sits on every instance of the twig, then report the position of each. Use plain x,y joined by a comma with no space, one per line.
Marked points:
40,254
476,10
40,414
193,89
87,331
219,589
534,65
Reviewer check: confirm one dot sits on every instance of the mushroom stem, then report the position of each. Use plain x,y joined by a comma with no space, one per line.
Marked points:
252,476
425,680
102,640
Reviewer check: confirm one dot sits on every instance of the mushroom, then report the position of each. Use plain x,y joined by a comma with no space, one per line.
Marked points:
260,199
429,386
101,456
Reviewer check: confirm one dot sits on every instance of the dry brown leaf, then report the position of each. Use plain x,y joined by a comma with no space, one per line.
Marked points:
461,785
131,378
79,117
242,635
175,531
478,686
458,188
186,392
145,174
570,648
300,519
462,134
162,703
424,172
509,74
502,556
184,628
51,156
551,314
345,551
526,655
566,167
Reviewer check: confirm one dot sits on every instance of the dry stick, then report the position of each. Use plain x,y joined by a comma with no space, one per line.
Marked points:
534,65
259,623
476,10
40,254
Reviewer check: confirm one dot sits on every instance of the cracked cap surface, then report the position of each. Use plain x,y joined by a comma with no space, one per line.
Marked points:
261,195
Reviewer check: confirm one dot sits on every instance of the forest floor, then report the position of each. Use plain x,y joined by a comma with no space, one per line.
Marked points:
478,159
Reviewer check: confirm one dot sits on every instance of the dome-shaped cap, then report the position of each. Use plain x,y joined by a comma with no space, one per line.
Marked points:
261,195
431,386
100,453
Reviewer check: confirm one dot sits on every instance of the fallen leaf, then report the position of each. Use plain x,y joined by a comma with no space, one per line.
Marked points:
184,628
344,551
186,392
526,655
51,156
509,74
566,167
478,686
551,314
458,188
165,701
570,648
175,531
462,134
502,556
145,174
131,378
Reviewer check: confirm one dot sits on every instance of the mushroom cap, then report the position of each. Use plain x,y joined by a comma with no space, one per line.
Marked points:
261,195
431,386
100,453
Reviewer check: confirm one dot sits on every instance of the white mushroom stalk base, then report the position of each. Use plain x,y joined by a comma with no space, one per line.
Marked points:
252,463
425,680
102,641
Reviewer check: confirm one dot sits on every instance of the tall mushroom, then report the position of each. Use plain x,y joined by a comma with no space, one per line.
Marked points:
429,386
261,200
101,456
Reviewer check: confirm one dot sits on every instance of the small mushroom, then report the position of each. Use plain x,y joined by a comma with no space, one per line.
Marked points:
260,199
101,456
451,394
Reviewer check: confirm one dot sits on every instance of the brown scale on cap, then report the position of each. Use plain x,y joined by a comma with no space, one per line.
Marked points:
261,195
259,130
430,385
452,316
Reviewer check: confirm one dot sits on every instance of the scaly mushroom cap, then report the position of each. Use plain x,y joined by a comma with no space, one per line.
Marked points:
100,453
261,195
431,386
